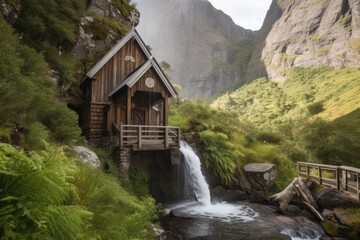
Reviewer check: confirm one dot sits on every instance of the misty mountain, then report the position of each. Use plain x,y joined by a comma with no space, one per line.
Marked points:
196,39
210,54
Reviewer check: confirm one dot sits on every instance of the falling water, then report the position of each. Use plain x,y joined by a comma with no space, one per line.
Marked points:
197,188
195,178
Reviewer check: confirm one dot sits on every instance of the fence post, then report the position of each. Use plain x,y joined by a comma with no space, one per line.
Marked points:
178,137
346,180
320,176
121,139
166,137
307,171
357,187
139,136
337,175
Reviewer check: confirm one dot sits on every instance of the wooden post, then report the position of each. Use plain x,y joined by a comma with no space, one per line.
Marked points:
178,137
357,187
139,136
121,136
307,171
166,137
166,111
128,108
320,176
346,180
337,175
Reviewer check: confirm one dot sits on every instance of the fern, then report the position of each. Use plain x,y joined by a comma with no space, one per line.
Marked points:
35,193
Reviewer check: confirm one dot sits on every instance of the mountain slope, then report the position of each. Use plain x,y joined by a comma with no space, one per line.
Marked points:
331,92
193,37
312,33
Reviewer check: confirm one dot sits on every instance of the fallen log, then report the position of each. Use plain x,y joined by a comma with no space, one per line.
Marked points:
299,188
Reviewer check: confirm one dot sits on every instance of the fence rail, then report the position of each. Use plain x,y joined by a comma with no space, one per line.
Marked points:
142,136
343,178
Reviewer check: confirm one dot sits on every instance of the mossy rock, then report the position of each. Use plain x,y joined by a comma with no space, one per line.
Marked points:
349,217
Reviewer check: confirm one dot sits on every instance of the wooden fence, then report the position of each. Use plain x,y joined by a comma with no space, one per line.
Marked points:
343,178
147,137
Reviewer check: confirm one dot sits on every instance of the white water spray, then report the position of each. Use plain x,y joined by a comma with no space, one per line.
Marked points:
195,177
197,185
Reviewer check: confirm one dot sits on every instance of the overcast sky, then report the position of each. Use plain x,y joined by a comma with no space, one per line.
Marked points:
248,14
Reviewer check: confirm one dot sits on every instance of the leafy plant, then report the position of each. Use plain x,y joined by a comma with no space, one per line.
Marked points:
219,155
36,197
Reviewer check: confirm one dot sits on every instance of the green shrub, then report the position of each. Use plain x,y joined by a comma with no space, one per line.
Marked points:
315,108
268,137
220,155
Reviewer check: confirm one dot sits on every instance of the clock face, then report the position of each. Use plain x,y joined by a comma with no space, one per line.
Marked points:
149,82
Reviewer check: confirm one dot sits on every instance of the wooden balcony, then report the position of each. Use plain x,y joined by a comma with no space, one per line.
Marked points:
142,138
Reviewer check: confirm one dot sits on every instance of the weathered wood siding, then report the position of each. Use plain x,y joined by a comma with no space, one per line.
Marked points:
115,71
158,88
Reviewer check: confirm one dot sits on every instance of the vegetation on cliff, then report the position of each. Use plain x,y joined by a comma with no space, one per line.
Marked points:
315,111
226,144
45,193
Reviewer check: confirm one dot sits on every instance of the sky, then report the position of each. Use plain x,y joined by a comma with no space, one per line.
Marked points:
248,14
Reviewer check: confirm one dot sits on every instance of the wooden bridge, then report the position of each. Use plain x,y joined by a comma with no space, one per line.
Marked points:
343,178
143,137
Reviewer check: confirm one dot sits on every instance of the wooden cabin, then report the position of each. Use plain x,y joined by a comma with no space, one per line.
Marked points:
126,100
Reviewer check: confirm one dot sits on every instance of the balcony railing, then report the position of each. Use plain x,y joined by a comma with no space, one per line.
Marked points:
147,137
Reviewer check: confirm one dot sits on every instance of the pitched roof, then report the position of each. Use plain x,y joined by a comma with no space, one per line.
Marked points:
132,34
137,74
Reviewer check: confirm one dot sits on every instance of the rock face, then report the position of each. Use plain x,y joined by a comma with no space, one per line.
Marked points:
89,45
192,36
87,156
312,33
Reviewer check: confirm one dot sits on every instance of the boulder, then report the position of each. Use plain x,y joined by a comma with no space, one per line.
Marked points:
243,182
329,198
349,217
181,214
259,197
261,175
87,156
221,194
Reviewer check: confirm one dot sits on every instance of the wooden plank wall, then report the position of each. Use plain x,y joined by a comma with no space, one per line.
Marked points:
158,88
115,71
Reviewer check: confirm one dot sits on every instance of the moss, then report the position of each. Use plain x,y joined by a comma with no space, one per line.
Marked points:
345,20
331,228
315,37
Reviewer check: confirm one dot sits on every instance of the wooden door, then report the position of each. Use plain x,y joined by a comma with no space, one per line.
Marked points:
139,116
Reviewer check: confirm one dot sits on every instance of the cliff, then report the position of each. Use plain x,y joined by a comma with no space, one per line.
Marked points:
311,33
195,39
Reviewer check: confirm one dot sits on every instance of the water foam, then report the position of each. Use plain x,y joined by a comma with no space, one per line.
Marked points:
203,208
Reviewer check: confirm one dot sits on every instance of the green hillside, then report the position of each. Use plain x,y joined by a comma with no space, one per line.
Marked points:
45,192
324,92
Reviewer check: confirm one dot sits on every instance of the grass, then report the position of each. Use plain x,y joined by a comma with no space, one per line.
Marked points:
266,103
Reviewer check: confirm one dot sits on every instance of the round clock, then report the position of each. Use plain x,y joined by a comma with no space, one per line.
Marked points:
149,82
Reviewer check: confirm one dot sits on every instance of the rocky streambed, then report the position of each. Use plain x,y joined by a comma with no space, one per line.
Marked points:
260,223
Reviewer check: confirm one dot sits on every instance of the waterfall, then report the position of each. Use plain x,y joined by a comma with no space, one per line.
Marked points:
195,181
194,186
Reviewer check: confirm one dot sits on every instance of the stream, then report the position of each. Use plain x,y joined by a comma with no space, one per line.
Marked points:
197,217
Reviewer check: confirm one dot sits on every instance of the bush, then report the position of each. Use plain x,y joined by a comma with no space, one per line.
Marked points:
315,108
268,137
220,155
